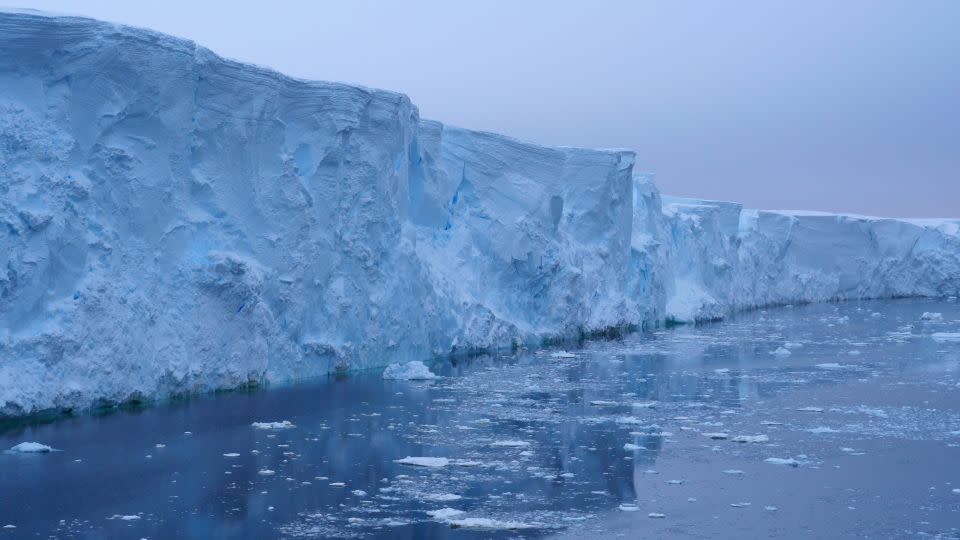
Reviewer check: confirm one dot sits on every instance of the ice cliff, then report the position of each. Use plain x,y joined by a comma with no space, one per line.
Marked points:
176,222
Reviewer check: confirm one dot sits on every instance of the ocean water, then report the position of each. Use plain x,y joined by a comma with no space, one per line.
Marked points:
816,421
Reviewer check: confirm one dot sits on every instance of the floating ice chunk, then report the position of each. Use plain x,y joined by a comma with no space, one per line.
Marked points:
931,316
441,497
266,472
359,493
433,462
510,444
337,484
770,423
9,526
944,337
31,448
810,409
488,524
782,461
411,371
721,371
630,447
740,504
445,514
823,429
733,471
231,455
750,439
830,365
122,517
284,424
770,508
675,482
656,515
781,351
628,507
956,490
601,403
717,436
645,405
793,345
563,354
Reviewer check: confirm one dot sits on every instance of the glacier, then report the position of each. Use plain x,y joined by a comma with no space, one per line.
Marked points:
176,222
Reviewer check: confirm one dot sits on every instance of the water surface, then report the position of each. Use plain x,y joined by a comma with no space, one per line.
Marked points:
859,410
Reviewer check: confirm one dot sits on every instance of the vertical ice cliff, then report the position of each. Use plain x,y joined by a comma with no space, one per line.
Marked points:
171,221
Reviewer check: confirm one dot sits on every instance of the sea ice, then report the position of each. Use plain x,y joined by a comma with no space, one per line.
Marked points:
411,371
31,448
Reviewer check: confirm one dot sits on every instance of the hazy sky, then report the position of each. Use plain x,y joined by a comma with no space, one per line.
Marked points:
837,105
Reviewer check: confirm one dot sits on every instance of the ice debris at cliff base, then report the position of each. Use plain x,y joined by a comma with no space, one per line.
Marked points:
220,225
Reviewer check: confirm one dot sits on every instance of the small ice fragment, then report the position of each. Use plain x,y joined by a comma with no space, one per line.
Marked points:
359,493
717,436
337,484
733,471
770,508
645,405
266,472
433,462
793,345
562,354
750,439
131,517
782,461
740,504
285,424
931,316
441,497
159,445
721,371
944,337
628,507
956,490
630,447
822,429
510,444
770,423
830,365
781,351
31,448
445,514
601,403
488,524
231,455
9,526
675,482
411,371
657,515
810,409
691,499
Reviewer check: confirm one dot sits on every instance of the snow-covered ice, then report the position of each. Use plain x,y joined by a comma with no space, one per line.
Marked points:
420,461
215,228
31,448
410,371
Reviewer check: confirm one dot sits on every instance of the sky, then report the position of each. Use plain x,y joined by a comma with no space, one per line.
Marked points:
848,106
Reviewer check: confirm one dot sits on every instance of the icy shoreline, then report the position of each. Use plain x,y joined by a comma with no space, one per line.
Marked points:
175,222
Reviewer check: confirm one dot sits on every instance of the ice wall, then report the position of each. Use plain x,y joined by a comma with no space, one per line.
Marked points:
173,222
725,258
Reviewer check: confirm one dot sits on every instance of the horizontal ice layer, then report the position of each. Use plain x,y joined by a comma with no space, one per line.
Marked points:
174,222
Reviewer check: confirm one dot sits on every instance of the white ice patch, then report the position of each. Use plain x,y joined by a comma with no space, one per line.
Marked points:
411,371
750,439
781,351
431,462
488,524
563,354
946,337
510,444
790,462
31,448
284,424
445,514
441,497
931,316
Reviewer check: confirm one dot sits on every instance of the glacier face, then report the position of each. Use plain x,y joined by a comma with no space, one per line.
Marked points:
177,222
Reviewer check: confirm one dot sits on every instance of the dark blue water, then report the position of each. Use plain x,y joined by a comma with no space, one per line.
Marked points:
866,408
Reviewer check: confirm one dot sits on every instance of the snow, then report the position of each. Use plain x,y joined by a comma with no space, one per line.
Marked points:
431,462
411,371
31,448
214,227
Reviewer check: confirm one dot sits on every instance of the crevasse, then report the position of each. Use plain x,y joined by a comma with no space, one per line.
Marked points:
176,222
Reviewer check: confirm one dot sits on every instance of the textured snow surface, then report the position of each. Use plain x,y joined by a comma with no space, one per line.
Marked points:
177,222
